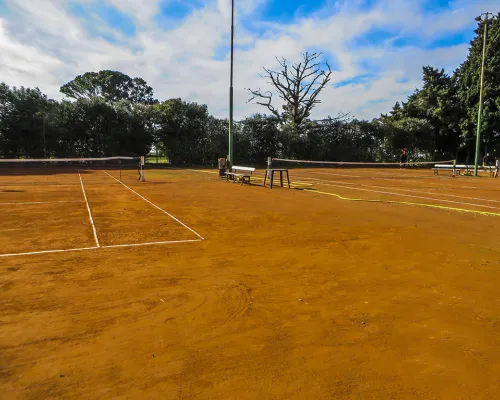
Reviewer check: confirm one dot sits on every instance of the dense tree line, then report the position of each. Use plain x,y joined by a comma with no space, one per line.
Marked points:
109,113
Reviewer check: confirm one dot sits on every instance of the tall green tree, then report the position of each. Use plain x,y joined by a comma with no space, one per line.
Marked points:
111,85
437,103
468,78
182,129
21,121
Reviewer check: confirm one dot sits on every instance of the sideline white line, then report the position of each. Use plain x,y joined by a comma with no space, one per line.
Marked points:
47,251
41,202
157,207
150,243
90,212
409,195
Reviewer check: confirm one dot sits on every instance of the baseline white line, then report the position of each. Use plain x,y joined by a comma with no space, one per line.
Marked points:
47,251
41,202
151,243
157,207
90,212
409,195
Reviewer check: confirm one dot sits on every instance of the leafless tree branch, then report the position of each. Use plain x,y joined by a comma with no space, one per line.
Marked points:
298,85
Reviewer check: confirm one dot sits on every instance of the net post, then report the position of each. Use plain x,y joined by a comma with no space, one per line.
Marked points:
143,178
269,160
120,166
454,168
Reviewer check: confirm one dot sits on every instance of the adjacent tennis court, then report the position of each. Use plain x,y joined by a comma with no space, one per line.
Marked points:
381,282
62,209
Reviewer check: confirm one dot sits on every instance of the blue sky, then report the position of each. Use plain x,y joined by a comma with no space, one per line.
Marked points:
376,47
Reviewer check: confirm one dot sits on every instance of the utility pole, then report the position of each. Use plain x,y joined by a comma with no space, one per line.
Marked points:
44,142
230,153
479,114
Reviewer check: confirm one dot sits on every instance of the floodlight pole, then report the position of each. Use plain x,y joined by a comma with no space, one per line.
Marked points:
230,153
479,114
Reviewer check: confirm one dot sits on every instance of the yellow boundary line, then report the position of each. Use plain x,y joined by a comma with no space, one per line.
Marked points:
491,214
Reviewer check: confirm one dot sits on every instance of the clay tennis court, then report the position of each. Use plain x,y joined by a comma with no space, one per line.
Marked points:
370,284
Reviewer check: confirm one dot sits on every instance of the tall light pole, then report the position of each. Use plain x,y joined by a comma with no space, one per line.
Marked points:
230,153
479,114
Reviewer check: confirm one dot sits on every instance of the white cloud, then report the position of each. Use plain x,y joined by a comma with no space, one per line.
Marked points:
140,10
25,65
43,45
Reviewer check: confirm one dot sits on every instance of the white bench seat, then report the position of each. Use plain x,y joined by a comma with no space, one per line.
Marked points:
242,174
468,169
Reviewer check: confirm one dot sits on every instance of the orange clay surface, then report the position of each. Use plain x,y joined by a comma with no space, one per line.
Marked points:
292,294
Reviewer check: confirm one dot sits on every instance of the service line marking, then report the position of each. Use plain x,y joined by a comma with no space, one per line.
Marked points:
151,243
97,248
40,202
46,252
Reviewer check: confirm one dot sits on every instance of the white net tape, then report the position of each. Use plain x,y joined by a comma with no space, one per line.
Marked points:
49,160
340,163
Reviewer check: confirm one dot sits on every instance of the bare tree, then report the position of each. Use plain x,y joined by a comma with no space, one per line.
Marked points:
298,85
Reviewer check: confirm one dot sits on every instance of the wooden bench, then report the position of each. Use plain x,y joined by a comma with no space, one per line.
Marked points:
242,174
465,169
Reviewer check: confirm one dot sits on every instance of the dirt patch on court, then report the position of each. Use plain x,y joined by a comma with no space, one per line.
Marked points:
292,294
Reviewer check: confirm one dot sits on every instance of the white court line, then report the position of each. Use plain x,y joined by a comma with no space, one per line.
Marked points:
150,243
47,251
393,179
37,184
396,178
157,207
96,248
332,173
430,183
409,195
41,202
90,212
406,190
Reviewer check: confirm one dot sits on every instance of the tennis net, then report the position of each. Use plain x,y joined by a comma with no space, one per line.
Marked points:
291,163
19,166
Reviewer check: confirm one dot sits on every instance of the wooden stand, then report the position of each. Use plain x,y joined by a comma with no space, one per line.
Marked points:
270,175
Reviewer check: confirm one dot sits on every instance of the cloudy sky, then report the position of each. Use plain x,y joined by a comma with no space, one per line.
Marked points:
181,47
